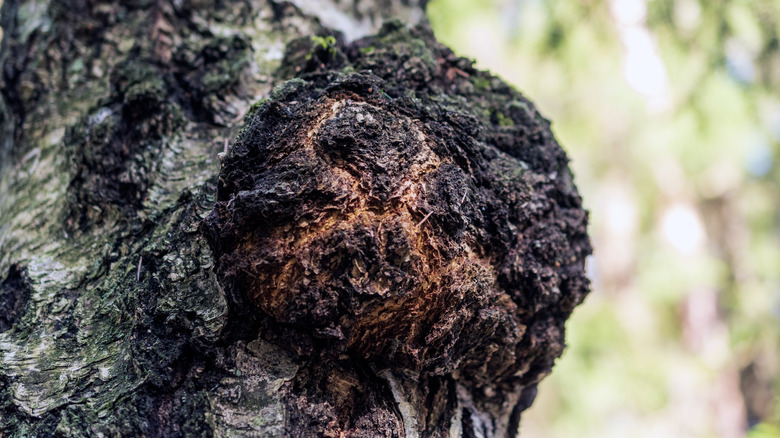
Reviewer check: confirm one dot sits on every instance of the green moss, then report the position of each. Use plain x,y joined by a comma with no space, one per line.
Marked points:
281,91
325,44
254,108
480,83
503,120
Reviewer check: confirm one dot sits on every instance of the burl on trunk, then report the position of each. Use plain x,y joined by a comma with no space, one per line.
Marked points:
392,212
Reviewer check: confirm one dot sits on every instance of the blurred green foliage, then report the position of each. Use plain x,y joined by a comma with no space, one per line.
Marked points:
670,111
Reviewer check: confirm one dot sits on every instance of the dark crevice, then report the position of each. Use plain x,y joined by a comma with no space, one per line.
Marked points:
14,59
15,294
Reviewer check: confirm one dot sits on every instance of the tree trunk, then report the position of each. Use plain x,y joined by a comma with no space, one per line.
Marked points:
387,245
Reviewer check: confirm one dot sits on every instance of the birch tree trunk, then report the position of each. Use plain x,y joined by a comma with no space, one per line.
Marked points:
128,303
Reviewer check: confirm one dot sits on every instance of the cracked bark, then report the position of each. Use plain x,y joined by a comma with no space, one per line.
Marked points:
386,245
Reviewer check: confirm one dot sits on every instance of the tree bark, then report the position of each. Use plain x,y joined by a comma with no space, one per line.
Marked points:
170,268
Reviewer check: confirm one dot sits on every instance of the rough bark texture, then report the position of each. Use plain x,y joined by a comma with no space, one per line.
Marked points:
389,247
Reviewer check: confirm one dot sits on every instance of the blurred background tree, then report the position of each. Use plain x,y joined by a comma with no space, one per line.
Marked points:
670,111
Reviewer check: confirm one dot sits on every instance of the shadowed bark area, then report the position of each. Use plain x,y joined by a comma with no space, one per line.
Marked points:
387,244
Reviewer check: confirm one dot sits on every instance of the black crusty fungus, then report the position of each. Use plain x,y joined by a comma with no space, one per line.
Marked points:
400,207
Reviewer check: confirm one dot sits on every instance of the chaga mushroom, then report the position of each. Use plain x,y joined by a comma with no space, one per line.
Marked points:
407,210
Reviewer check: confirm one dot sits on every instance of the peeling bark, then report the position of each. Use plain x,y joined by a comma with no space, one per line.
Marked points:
387,244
